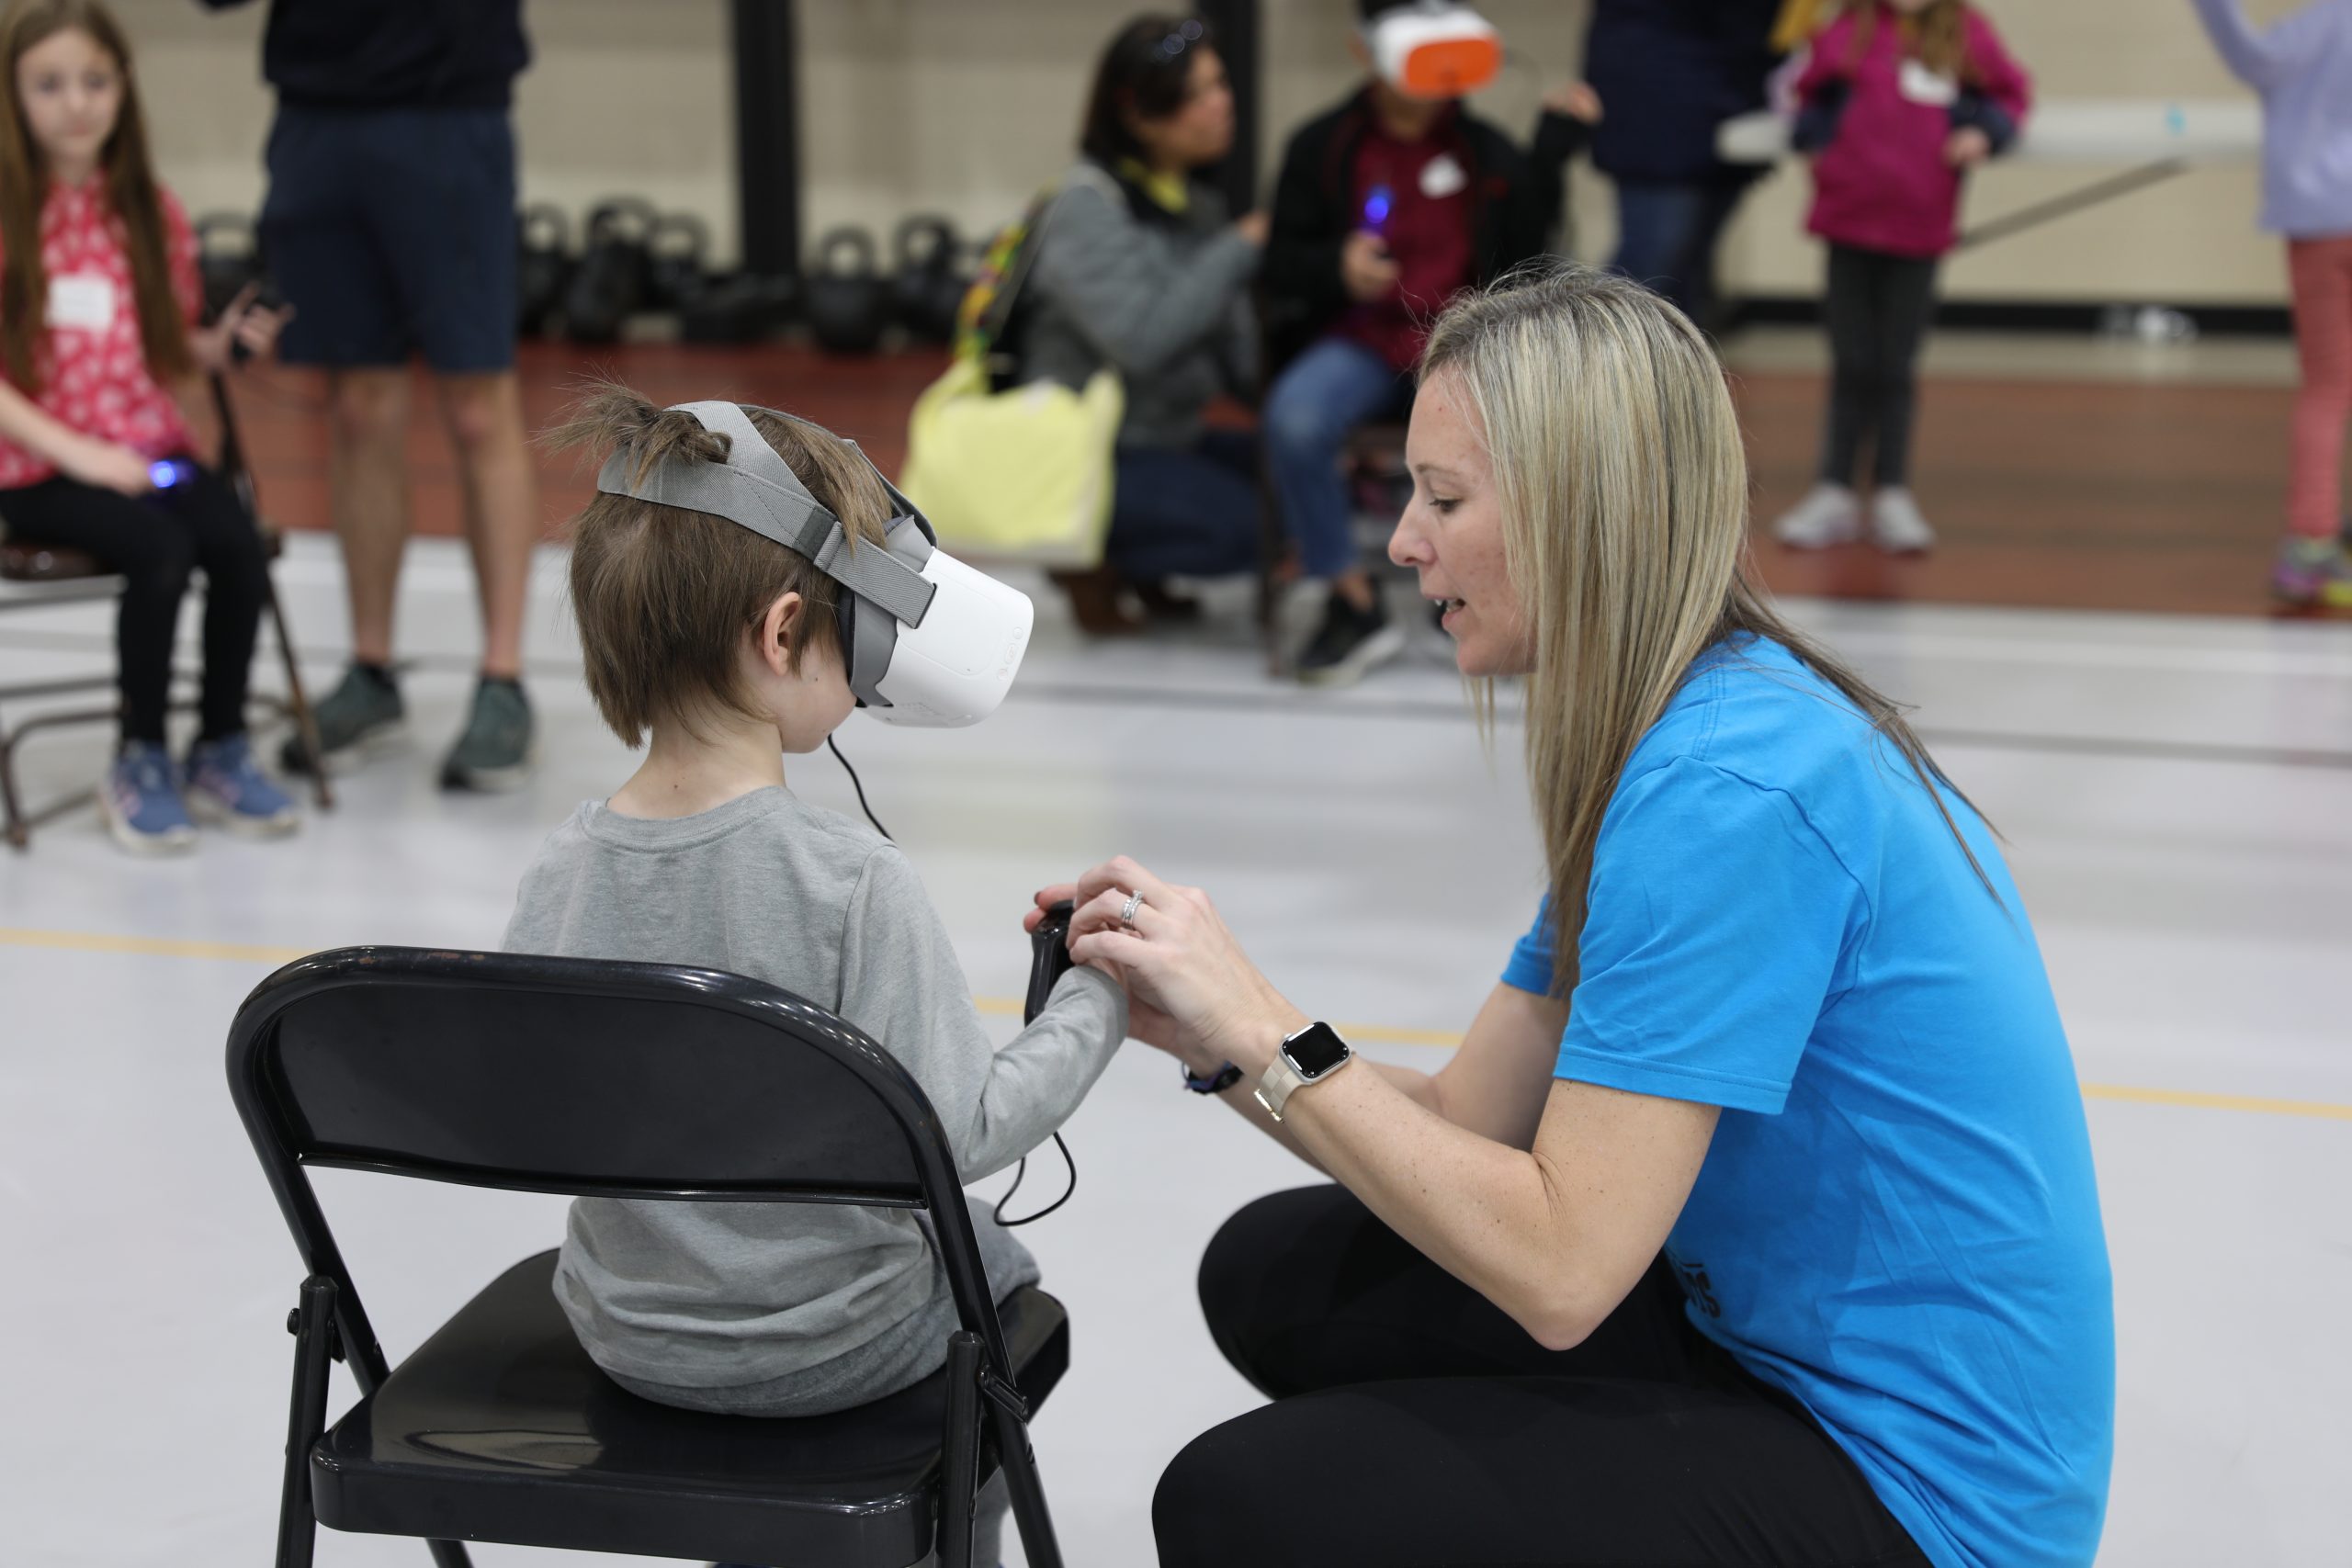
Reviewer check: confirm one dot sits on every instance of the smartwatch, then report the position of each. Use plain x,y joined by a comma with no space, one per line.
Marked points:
1308,1056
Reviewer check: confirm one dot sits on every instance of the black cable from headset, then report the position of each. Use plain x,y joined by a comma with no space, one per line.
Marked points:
856,785
1022,1168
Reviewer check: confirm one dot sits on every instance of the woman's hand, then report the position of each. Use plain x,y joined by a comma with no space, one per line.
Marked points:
106,466
1192,991
1255,226
244,324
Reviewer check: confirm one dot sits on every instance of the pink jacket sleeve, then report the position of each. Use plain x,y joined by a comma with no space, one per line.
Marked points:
1827,61
1998,75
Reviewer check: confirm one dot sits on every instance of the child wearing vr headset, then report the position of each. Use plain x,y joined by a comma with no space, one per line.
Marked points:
742,579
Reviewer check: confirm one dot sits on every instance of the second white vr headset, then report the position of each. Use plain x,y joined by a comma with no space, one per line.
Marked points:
926,640
1434,48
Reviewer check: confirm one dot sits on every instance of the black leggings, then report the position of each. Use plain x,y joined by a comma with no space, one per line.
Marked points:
155,542
1877,306
1416,1423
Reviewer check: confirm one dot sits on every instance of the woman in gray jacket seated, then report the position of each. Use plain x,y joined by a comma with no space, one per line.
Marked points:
1139,268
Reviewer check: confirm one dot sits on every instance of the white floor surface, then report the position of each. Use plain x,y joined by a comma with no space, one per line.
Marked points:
2177,796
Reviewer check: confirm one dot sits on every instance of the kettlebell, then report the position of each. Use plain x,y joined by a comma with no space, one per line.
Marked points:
847,305
614,270
930,284
542,265
745,309
675,247
227,257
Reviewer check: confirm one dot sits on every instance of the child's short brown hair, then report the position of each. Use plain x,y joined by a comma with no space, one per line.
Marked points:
663,595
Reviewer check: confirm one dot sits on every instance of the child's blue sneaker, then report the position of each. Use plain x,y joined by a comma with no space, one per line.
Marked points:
226,785
139,802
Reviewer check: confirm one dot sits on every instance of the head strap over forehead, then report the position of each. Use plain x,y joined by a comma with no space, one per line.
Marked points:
756,488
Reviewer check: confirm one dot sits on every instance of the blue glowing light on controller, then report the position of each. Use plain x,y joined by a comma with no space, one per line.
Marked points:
1377,207
170,471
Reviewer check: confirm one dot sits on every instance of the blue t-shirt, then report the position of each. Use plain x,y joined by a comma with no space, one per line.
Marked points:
1898,1222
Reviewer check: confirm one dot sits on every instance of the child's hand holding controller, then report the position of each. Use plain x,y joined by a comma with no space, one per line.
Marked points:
247,329
106,465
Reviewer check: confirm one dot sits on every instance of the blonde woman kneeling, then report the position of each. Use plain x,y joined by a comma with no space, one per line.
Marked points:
1754,1221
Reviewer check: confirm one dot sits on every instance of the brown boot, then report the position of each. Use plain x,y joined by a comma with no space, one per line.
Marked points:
1161,602
1097,603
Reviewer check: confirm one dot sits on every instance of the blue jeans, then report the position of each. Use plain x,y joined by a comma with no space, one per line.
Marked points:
1185,512
1666,238
1326,392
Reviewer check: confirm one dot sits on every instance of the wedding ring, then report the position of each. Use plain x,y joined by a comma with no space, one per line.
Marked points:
1128,913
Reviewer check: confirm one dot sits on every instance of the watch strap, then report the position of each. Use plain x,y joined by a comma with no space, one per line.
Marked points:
1224,1079
1280,1078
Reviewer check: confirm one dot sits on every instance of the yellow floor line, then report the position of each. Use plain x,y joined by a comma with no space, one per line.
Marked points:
1369,1034
149,946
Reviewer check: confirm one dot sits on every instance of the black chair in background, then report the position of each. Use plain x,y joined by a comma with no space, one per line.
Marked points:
617,1080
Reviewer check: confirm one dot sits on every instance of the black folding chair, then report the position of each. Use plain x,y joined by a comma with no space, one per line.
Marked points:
615,1080
37,576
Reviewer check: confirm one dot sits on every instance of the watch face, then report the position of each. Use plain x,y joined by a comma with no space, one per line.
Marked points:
1314,1050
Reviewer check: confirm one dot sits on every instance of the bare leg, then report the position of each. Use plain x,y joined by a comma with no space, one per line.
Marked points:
484,415
368,487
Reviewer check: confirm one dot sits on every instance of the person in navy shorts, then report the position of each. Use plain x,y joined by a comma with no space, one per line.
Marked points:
389,228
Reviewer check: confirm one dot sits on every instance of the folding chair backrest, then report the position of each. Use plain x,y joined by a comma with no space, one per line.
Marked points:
561,1075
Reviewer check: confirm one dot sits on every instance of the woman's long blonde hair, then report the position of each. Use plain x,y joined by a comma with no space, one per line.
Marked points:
1623,485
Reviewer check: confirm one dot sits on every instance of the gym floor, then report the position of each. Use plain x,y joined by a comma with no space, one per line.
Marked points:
2174,788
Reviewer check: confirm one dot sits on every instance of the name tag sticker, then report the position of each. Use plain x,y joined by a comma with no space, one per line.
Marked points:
1922,85
81,301
1441,177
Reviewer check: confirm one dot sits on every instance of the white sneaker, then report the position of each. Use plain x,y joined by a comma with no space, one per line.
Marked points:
1827,515
1896,525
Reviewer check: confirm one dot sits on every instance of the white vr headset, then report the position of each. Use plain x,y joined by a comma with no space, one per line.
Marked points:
926,640
1433,49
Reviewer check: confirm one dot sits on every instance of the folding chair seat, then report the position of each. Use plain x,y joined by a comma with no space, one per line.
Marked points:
500,1427
628,1080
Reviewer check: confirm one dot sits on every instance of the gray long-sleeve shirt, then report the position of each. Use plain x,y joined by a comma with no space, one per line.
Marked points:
709,1295
1166,304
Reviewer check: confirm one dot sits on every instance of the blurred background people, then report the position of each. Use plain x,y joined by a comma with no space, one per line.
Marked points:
389,227
1141,268
1671,71
2302,64
1386,206
1900,99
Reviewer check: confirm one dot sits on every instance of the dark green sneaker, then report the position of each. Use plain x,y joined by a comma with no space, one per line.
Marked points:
362,715
498,747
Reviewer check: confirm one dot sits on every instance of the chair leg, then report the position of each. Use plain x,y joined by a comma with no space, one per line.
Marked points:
12,809
306,725
306,1420
960,1452
1020,1463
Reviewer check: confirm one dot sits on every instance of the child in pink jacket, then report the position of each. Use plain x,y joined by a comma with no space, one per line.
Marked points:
1899,100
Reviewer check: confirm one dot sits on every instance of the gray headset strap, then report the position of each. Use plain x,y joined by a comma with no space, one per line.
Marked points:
757,490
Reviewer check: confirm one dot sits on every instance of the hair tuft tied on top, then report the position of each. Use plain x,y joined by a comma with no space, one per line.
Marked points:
666,596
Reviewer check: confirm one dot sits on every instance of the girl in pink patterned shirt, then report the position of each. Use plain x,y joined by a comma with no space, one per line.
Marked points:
98,298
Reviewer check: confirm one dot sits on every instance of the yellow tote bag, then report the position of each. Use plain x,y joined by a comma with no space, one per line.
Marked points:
1022,474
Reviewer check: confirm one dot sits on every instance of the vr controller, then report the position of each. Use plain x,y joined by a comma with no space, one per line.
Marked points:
1049,958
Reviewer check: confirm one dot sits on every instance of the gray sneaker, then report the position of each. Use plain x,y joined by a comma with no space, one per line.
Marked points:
499,745
361,716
